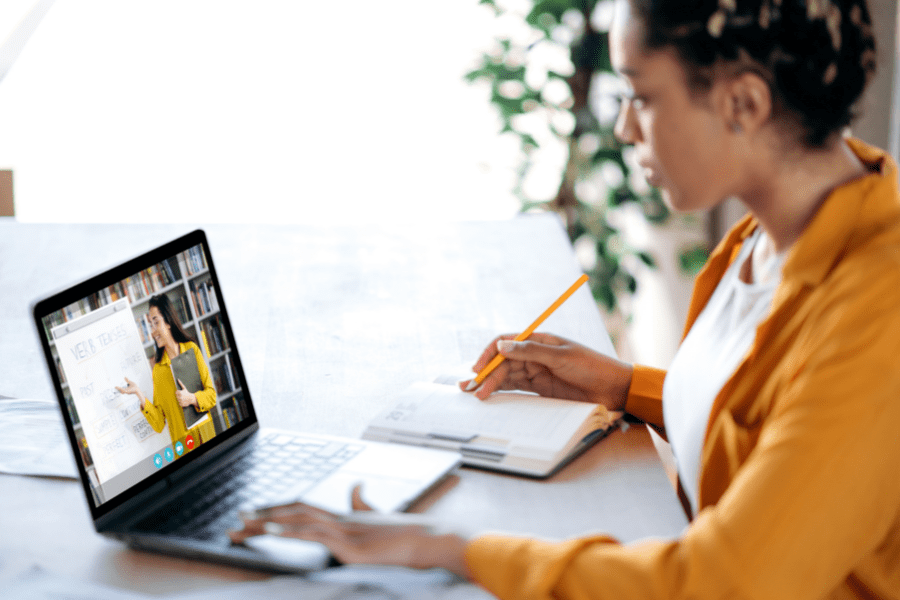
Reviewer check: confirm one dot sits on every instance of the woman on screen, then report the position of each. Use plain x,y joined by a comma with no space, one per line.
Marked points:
170,398
783,401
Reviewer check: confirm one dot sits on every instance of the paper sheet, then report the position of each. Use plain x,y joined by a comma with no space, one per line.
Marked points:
33,441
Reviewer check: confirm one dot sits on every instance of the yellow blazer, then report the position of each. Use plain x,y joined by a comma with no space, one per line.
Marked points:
799,490
165,407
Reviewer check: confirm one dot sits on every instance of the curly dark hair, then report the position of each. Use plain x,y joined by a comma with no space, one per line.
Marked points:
816,55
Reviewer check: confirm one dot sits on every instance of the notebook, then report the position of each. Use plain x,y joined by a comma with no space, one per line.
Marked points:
518,433
157,484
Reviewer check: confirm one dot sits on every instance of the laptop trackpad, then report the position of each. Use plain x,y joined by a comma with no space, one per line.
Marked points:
384,494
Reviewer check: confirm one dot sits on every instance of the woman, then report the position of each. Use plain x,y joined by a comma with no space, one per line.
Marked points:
170,398
783,400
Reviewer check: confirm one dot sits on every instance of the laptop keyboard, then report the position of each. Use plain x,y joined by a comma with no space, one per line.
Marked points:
279,468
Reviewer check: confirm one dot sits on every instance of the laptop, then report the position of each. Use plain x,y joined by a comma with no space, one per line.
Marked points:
158,483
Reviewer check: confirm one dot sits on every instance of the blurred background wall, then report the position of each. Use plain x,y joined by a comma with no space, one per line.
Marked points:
278,111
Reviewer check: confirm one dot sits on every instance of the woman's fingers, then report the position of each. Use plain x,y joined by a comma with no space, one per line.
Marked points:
130,387
497,379
490,352
356,500
357,542
249,530
543,350
409,544
524,360
293,519
287,516
286,511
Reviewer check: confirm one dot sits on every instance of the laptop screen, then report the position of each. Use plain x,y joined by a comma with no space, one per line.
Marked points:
146,367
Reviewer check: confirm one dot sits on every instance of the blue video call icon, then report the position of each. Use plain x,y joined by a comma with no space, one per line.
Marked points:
179,448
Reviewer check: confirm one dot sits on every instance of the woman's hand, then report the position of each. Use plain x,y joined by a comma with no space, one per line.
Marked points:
355,543
184,397
555,367
132,388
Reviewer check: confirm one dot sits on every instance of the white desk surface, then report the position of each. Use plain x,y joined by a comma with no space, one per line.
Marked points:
330,323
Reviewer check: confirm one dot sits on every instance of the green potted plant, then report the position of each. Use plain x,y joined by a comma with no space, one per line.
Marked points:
553,84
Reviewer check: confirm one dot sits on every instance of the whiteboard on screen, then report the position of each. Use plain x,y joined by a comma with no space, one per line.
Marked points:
98,351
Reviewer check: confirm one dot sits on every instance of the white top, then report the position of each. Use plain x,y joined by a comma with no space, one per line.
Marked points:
711,352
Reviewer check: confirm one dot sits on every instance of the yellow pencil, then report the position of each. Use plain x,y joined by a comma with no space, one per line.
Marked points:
500,358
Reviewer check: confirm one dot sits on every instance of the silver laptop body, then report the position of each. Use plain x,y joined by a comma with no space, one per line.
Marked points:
180,496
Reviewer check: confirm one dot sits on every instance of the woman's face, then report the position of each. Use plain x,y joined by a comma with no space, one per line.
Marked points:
680,140
160,331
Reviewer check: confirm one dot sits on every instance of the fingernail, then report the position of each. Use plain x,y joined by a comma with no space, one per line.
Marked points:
504,346
273,528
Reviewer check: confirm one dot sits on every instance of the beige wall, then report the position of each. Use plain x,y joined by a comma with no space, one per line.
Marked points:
875,124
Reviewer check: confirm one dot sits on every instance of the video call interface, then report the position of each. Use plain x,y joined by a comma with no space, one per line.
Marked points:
106,347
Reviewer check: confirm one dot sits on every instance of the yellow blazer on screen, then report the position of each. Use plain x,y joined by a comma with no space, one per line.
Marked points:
165,408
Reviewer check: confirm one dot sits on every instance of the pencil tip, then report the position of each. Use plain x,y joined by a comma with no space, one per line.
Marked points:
472,386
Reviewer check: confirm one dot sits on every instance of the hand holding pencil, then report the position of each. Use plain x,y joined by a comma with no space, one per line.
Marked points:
487,369
550,366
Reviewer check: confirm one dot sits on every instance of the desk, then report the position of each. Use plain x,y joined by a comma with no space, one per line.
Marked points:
331,322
